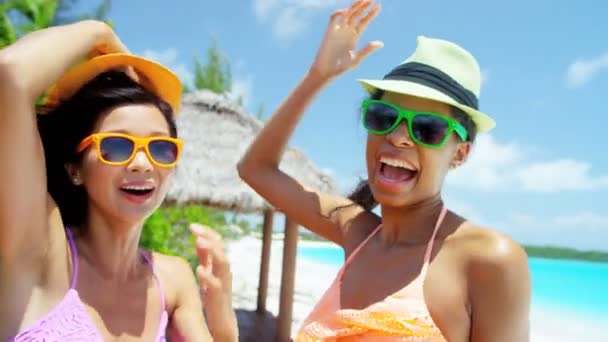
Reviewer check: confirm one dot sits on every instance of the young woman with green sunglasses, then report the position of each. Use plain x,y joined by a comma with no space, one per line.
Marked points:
415,270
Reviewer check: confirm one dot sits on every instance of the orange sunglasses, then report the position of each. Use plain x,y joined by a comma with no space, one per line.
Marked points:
120,149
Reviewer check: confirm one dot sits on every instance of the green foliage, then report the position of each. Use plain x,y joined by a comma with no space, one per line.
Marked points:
565,253
167,232
20,17
216,74
39,14
7,31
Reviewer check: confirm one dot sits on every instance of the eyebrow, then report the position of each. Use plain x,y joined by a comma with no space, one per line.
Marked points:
152,134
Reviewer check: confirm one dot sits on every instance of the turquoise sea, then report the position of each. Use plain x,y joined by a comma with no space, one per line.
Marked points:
577,287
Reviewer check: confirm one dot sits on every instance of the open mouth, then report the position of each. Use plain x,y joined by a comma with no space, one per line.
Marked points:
140,191
395,170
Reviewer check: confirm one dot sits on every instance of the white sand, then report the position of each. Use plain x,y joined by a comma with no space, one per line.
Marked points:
313,278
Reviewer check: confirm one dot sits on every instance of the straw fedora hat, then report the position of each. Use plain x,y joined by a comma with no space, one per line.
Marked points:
153,76
438,70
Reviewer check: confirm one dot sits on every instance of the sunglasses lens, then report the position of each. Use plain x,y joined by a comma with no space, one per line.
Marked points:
163,151
116,149
429,129
379,117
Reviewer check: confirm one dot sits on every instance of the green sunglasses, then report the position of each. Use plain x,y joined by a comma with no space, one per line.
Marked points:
425,128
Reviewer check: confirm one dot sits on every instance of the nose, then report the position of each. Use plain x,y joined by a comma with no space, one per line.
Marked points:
140,162
400,136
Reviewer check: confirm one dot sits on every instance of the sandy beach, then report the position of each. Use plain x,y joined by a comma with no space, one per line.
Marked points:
547,325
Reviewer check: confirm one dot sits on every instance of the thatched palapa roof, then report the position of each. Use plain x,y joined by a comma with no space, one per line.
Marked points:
217,133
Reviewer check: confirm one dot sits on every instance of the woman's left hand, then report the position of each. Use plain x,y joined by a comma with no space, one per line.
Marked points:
215,279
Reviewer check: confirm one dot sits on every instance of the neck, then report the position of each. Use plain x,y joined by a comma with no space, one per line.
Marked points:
111,247
412,224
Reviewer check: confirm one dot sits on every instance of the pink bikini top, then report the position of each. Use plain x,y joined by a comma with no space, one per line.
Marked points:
69,321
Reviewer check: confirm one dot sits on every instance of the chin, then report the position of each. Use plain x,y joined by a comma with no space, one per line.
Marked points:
402,199
135,213
395,201
135,216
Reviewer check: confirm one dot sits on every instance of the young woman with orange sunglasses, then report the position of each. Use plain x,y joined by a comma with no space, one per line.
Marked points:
78,181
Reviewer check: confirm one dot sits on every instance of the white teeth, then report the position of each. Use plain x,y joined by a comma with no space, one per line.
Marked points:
397,163
137,187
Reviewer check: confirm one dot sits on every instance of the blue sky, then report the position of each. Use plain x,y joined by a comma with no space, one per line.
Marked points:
541,176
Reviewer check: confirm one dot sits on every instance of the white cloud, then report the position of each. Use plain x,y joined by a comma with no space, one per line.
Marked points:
262,8
488,166
583,219
289,23
583,70
466,210
583,230
509,167
289,18
556,175
169,58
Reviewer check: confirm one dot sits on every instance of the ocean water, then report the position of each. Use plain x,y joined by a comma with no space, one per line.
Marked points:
577,288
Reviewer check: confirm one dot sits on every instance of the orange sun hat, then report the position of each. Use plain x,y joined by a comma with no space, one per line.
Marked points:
153,76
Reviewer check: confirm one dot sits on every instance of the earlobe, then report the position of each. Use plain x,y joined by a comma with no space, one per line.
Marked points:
74,174
461,154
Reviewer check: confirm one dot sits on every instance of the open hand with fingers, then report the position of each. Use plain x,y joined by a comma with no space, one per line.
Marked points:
215,279
337,52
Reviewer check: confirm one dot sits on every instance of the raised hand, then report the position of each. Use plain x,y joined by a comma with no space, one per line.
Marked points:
337,52
215,280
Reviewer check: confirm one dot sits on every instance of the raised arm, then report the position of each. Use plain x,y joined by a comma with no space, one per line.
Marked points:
27,69
259,167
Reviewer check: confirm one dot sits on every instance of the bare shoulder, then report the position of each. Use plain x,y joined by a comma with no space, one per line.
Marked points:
498,283
170,267
489,252
175,275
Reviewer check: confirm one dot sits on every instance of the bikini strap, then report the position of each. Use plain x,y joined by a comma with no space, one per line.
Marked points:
427,254
429,247
74,252
158,283
354,253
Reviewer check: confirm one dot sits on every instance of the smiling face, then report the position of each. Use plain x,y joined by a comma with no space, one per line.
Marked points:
129,192
401,172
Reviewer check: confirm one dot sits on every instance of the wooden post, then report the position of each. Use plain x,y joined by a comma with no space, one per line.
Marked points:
265,262
290,246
